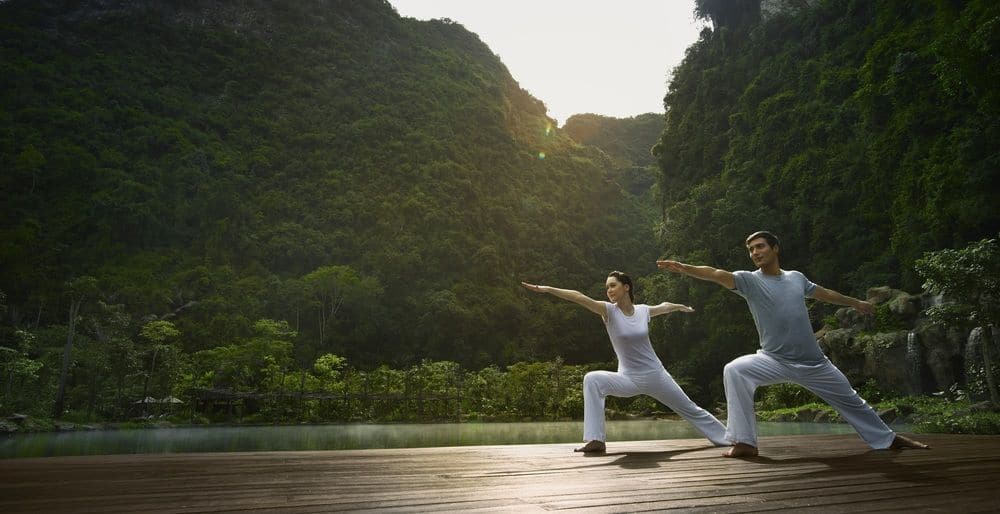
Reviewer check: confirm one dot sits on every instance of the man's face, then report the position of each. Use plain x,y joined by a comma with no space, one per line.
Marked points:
761,253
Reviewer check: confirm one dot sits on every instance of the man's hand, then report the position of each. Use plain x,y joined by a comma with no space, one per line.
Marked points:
864,308
830,296
721,277
673,266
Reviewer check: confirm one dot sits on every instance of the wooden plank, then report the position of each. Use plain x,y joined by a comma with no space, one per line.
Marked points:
834,473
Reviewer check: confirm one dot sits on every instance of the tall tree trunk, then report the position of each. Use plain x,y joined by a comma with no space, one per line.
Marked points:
9,387
57,409
988,364
145,383
120,385
38,318
93,395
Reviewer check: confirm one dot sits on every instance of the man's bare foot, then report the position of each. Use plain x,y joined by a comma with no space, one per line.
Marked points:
594,446
740,450
901,442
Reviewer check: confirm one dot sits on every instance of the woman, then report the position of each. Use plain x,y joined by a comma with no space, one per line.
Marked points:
639,369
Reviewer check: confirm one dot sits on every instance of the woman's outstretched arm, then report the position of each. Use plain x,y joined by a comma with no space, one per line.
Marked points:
577,297
666,307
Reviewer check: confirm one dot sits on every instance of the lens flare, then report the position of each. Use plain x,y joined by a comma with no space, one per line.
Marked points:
541,156
548,129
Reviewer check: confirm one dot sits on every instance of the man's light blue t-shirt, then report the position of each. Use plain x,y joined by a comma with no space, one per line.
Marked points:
778,305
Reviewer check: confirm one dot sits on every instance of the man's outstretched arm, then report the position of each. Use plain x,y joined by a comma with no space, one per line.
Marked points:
830,296
722,277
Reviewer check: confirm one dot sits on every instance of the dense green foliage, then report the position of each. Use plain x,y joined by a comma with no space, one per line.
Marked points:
969,278
256,193
261,386
628,142
862,132
379,183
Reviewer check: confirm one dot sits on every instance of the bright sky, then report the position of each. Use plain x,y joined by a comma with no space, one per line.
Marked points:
579,56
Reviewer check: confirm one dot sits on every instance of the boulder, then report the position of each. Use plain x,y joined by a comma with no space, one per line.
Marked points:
975,372
786,417
976,408
891,361
806,415
882,294
904,305
888,415
841,346
942,353
851,319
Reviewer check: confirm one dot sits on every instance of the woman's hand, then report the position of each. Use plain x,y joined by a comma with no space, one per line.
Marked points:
568,294
666,307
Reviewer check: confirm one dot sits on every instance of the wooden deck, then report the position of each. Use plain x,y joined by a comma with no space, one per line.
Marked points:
826,474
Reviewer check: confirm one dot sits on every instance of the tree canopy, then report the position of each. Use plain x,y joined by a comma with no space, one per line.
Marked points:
380,183
863,133
256,193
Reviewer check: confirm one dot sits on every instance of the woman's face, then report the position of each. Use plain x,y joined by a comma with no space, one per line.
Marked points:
615,289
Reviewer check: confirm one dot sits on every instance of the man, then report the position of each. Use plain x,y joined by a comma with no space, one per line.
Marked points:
789,351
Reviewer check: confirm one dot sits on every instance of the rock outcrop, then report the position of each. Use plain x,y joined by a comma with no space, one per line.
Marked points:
900,348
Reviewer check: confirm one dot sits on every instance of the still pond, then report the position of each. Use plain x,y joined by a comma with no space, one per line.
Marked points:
355,436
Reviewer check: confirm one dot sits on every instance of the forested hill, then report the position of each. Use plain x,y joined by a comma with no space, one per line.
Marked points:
382,184
864,133
627,141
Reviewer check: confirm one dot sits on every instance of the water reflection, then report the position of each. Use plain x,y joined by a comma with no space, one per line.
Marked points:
355,436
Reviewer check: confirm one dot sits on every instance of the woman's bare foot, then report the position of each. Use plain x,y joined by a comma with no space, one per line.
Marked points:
902,442
740,450
594,446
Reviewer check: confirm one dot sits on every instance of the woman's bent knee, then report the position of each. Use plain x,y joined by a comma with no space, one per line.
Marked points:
591,379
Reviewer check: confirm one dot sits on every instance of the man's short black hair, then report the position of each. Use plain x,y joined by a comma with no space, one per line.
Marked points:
772,240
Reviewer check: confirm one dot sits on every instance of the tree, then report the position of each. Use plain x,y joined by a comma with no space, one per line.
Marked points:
18,368
113,353
160,334
334,289
252,364
728,13
77,290
969,278
329,368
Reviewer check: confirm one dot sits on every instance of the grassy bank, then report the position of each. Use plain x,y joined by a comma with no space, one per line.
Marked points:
926,414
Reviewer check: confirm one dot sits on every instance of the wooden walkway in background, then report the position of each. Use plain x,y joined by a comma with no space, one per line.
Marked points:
826,474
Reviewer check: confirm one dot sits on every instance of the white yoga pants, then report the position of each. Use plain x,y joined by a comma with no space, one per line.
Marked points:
658,384
743,375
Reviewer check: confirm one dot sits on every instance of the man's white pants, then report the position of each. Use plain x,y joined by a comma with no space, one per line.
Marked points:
743,375
658,384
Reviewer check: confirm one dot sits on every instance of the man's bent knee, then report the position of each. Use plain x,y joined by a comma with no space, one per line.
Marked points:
736,368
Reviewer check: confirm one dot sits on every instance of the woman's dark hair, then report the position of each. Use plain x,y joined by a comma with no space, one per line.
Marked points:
772,240
623,277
